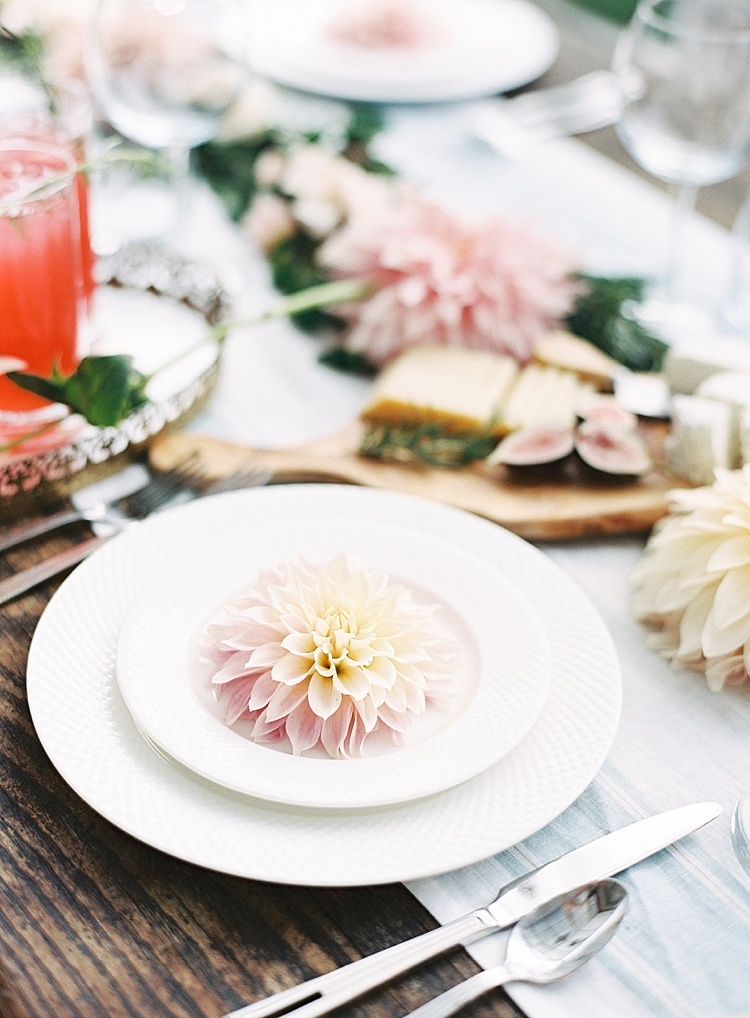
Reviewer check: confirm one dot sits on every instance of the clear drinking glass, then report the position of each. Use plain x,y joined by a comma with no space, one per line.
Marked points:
41,265
685,65
62,114
162,74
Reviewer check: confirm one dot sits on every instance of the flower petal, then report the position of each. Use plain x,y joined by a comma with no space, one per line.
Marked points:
291,669
324,698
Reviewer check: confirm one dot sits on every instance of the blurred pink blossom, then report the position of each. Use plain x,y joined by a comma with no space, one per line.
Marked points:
497,286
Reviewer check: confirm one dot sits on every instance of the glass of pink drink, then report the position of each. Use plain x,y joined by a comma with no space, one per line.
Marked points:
41,280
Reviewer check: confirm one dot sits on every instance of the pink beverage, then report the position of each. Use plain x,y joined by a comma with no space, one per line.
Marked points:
41,287
69,126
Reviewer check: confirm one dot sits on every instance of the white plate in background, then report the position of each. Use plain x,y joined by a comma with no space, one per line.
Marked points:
482,47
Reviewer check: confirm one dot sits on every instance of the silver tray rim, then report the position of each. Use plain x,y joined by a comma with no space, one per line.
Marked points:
139,266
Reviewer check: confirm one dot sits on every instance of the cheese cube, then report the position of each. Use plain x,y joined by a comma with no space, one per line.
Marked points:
701,438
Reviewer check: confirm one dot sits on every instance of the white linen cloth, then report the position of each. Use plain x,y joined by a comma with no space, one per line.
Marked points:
684,951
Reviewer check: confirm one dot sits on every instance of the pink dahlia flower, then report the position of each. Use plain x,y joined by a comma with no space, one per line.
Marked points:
326,656
492,287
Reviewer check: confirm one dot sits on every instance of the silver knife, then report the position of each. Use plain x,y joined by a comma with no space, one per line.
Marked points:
28,578
599,859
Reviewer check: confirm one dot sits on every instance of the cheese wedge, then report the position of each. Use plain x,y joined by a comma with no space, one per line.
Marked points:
461,390
571,353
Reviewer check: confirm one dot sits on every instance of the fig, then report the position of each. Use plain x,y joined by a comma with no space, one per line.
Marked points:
535,446
611,451
606,410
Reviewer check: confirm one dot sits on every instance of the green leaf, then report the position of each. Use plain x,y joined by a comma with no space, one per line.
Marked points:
599,315
105,390
365,122
293,268
43,387
341,359
229,168
619,11
24,52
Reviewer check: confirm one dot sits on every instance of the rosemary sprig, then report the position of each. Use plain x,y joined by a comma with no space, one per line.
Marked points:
427,443
113,153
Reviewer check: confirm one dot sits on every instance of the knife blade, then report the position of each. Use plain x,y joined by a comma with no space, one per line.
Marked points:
28,578
601,858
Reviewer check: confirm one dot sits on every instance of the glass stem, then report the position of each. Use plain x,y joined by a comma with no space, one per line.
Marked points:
736,309
179,165
684,204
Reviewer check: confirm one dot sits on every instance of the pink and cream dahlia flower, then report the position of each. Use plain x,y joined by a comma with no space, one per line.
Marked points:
326,656
492,287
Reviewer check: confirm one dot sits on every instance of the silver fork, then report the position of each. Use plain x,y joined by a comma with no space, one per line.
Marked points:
117,514
515,127
29,578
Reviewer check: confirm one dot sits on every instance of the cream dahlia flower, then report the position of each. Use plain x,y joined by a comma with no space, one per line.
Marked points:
327,189
497,286
693,585
268,221
327,656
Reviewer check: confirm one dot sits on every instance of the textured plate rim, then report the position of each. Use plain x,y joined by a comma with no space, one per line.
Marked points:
146,797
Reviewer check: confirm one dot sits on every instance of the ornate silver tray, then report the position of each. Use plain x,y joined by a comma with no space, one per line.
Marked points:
69,461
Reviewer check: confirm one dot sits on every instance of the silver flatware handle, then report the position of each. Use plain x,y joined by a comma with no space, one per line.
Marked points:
462,994
322,994
29,578
25,531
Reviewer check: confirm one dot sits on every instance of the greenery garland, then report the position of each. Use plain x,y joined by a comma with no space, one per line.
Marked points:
601,314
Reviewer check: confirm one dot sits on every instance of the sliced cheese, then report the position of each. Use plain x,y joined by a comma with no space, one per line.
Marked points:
543,396
571,353
461,390
701,438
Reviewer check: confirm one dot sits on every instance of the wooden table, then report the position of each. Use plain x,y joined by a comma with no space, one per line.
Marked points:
94,924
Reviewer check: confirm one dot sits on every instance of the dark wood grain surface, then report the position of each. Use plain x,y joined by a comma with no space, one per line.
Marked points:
94,924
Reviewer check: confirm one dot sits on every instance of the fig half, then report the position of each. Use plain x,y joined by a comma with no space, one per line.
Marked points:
607,410
611,451
534,447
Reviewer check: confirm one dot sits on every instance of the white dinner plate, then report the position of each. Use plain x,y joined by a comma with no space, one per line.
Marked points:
480,47
92,740
503,675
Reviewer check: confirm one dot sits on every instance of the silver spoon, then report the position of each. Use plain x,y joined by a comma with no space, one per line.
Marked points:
546,945
741,831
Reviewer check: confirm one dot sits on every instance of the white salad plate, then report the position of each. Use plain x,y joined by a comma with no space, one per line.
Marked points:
478,47
93,741
503,664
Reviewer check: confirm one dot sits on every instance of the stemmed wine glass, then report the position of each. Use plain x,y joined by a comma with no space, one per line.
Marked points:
685,67
163,74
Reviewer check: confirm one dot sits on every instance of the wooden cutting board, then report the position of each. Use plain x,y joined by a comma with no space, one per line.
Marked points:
566,507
